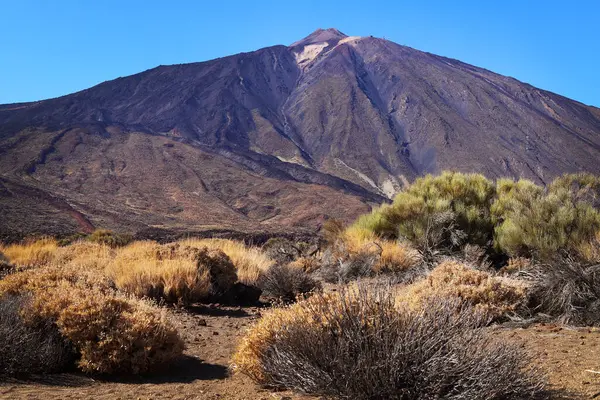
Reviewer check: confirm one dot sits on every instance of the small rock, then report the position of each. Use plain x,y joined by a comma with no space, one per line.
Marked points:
215,333
202,322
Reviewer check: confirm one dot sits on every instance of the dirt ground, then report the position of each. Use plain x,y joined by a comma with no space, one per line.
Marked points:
212,333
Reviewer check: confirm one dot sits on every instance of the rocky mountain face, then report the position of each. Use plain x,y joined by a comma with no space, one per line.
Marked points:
276,140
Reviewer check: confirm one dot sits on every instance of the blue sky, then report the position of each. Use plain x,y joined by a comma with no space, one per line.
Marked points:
51,48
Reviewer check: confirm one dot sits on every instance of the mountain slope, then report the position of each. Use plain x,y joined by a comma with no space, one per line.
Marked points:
276,139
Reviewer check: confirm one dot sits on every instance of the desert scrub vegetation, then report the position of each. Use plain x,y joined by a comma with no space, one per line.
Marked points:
174,273
358,344
493,296
286,282
357,253
29,349
84,255
535,222
566,290
31,253
109,332
181,272
462,201
250,262
109,238
441,214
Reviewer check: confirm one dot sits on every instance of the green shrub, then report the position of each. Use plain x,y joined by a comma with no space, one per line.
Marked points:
531,221
109,238
446,212
436,211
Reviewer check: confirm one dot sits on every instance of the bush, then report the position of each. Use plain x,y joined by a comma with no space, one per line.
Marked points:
111,333
358,254
307,264
85,255
5,267
250,262
341,266
441,214
220,269
173,273
458,203
567,290
332,230
533,222
493,296
357,345
29,254
286,282
25,349
281,250
109,238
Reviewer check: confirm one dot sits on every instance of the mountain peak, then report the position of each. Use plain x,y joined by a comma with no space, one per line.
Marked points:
321,36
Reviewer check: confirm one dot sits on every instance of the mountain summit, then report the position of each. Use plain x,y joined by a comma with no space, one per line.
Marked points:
277,139
330,35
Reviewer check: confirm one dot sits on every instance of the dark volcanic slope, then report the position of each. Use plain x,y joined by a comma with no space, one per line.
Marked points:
277,138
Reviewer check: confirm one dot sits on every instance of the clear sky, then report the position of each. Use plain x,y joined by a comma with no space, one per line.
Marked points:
49,48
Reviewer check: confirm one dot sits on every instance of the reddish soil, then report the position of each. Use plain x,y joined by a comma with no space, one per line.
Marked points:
567,355
212,333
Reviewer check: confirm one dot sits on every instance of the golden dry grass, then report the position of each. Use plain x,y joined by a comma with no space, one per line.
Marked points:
112,333
250,262
30,254
84,255
495,296
148,269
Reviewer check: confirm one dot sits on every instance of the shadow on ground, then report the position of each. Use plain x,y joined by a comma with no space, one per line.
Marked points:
217,311
187,369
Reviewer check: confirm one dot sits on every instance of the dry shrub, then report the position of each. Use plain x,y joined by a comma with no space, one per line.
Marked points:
32,253
221,271
5,266
476,256
332,230
516,265
493,296
357,345
341,266
590,251
358,254
26,349
282,250
306,264
395,257
174,273
286,282
250,262
111,333
567,290
85,255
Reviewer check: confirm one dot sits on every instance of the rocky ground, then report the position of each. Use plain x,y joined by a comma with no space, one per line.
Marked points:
212,333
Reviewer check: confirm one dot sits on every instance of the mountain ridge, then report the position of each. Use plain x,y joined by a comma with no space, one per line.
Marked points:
353,117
